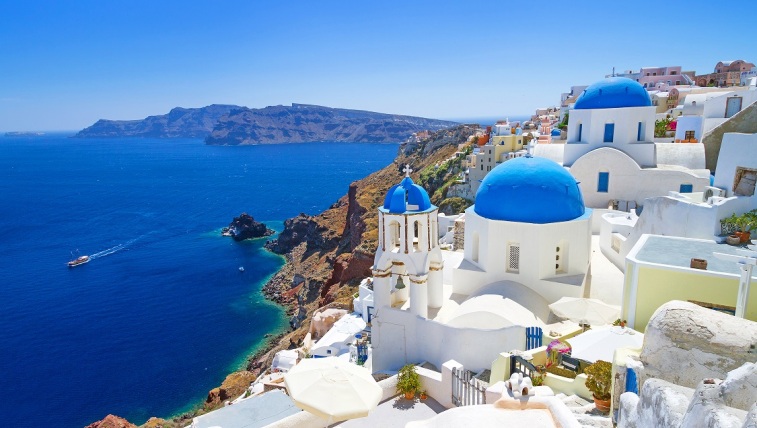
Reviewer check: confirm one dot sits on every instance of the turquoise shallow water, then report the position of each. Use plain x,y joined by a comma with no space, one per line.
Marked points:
162,314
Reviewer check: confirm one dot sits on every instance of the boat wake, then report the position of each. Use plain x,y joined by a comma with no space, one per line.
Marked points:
115,249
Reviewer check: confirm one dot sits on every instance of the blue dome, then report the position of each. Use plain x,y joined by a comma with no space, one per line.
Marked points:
529,190
613,92
406,196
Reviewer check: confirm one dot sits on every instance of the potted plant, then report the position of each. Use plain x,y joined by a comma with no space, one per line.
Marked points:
408,381
599,382
744,223
424,395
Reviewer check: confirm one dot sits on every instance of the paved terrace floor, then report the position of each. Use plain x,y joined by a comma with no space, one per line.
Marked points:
396,412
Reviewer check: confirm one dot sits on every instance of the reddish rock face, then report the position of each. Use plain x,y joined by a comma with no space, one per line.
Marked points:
233,386
112,421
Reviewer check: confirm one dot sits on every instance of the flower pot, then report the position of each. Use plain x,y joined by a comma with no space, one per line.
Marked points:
733,239
602,405
409,395
423,396
745,237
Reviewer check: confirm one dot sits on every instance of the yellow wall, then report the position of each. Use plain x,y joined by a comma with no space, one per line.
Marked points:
510,143
657,286
627,281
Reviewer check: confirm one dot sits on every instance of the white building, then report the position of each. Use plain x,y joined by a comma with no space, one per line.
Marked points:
611,152
527,244
704,112
693,215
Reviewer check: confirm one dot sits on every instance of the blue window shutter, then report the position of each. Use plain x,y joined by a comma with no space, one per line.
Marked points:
604,182
580,129
609,132
638,133
686,188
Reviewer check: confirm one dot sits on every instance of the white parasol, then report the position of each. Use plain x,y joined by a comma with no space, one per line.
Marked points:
332,388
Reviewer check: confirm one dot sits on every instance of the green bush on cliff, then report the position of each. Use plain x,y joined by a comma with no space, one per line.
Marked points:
456,205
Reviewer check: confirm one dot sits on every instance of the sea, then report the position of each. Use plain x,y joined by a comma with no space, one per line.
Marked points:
162,313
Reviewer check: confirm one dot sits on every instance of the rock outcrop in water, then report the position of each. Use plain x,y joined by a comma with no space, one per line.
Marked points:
245,227
301,123
178,123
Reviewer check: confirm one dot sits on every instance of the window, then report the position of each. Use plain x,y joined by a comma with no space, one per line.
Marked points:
609,132
744,181
580,131
672,73
603,182
688,135
640,131
513,257
686,188
561,255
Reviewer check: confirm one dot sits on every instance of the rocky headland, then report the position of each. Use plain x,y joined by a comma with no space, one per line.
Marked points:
178,123
245,227
328,254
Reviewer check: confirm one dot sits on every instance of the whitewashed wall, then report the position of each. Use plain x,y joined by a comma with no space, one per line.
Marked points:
628,181
538,244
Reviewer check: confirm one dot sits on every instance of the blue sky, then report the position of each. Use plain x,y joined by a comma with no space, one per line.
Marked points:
65,65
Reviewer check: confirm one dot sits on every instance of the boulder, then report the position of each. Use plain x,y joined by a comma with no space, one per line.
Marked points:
685,343
324,320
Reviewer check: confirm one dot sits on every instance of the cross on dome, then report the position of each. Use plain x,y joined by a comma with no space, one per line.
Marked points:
407,170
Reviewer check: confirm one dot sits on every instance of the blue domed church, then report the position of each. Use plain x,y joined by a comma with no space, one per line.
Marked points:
610,148
527,244
529,226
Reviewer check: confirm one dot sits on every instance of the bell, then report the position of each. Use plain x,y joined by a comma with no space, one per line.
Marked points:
400,284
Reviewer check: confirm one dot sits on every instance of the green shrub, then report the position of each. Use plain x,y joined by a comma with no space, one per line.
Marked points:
561,372
599,379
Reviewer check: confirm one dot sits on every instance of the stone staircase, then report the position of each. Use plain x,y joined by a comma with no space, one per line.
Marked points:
585,412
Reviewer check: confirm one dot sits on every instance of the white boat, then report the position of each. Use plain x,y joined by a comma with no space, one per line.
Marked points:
241,268
78,261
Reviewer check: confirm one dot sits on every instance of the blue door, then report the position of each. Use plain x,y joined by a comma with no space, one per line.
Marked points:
533,337
609,132
604,182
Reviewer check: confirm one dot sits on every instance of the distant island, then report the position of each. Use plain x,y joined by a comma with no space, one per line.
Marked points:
299,123
23,134
302,123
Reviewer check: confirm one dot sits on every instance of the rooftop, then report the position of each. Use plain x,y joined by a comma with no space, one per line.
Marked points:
251,413
678,252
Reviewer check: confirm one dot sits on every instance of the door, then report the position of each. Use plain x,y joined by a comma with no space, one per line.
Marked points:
733,106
